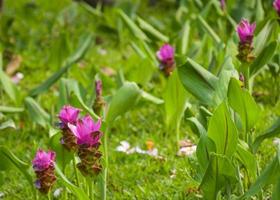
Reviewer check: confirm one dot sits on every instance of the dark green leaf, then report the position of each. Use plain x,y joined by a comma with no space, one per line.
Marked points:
265,55
222,131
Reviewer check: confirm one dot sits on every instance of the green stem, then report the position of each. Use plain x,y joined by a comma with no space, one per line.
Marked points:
90,187
105,171
245,69
75,171
49,195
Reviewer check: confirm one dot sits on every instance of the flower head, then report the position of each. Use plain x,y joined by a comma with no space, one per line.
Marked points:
246,31
166,54
276,5
68,114
87,131
43,160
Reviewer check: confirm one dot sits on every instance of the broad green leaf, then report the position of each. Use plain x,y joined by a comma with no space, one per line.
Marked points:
204,148
150,29
8,109
78,192
151,98
219,172
276,191
135,30
243,103
175,98
63,156
185,38
247,159
198,81
222,131
268,176
75,57
124,99
263,37
200,130
9,160
265,55
36,112
10,89
273,131
7,124
209,30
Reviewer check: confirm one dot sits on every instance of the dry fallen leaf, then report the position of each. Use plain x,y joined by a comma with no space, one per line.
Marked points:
13,65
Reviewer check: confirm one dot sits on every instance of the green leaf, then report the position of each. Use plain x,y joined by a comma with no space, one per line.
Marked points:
9,160
175,98
268,176
36,112
276,191
203,151
209,30
8,109
7,124
200,130
198,81
135,30
124,99
265,56
220,172
149,28
247,159
75,57
185,38
151,98
243,103
263,37
10,89
78,192
222,131
273,131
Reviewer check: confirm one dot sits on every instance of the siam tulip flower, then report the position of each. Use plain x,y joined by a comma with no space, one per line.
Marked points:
166,57
88,136
68,115
245,32
276,5
99,101
43,165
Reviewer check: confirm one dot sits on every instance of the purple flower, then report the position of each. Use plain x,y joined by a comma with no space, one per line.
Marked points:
166,54
245,31
43,160
166,57
87,131
276,5
68,114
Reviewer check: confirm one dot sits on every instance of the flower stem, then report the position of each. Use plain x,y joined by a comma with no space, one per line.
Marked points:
105,171
75,171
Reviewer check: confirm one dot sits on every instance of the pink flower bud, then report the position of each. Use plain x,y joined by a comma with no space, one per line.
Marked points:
68,114
246,31
166,57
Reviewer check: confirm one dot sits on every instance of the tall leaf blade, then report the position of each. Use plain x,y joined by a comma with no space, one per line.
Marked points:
198,81
222,131
243,103
124,99
75,57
